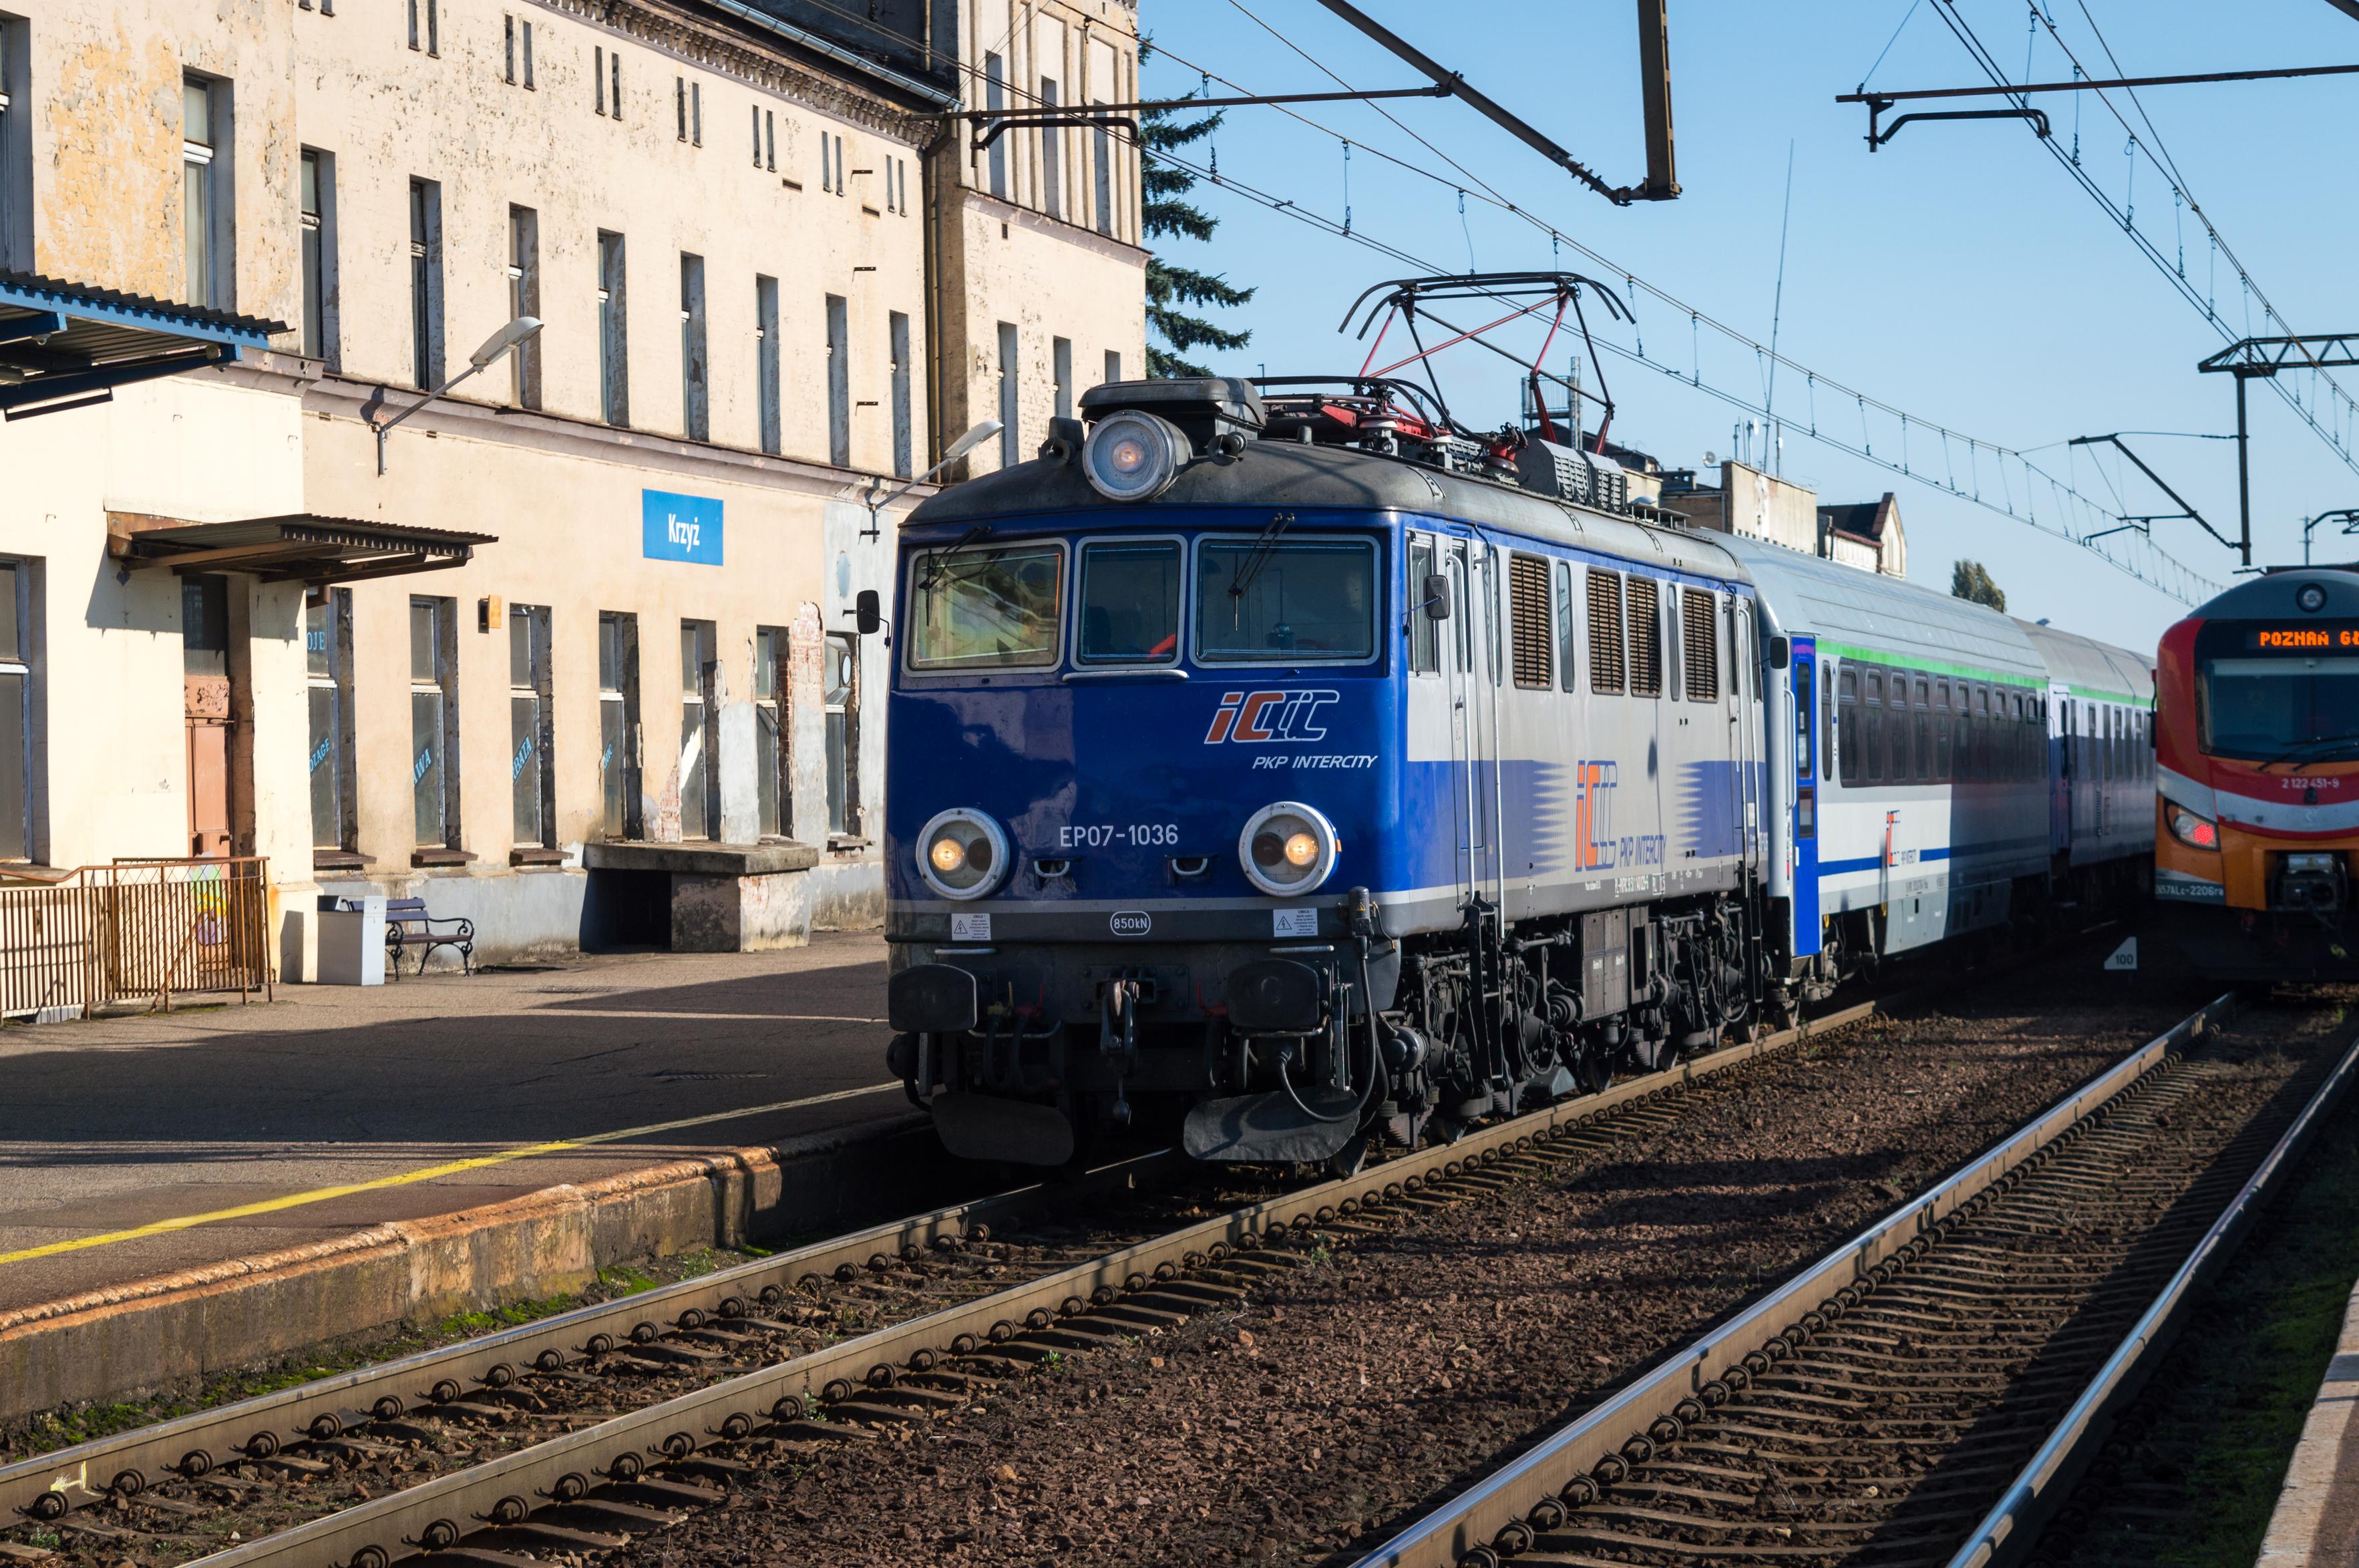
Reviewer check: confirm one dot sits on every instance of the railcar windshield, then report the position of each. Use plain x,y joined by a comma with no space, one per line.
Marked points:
1296,599
2280,692
985,609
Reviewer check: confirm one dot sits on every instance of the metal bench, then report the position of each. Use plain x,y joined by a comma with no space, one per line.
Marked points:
407,925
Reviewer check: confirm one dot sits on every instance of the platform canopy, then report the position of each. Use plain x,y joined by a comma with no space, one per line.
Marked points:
297,549
67,345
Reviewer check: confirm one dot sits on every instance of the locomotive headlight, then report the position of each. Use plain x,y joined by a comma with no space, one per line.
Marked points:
1131,455
1288,848
2199,832
962,854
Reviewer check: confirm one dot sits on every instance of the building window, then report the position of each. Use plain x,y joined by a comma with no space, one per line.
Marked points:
429,12
765,358
695,415
897,184
328,656
598,79
680,94
994,98
618,724
204,208
614,337
518,49
1113,365
831,163
840,690
434,722
773,772
757,135
606,81
839,381
530,86
1052,153
770,156
20,742
16,146
904,452
1102,157
1060,367
700,781
1011,445
426,284
524,300
531,779
318,224
508,41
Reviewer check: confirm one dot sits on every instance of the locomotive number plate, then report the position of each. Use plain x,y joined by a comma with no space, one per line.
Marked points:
1137,835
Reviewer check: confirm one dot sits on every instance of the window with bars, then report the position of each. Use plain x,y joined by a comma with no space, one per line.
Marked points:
1529,621
531,779
1646,637
1607,671
773,756
1699,611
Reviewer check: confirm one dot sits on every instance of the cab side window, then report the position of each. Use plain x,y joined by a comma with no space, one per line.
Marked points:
1424,635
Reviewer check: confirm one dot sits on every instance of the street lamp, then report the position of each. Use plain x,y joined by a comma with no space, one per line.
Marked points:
956,449
2347,516
484,358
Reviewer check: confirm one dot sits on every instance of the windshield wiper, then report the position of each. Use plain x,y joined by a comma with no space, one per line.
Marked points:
1249,569
2323,744
935,566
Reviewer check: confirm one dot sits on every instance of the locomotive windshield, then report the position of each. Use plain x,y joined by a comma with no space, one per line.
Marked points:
1296,597
983,609
1130,602
2273,693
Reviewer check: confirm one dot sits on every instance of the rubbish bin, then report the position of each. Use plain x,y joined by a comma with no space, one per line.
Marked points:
352,942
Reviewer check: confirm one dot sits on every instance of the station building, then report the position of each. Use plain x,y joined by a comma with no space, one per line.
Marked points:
568,652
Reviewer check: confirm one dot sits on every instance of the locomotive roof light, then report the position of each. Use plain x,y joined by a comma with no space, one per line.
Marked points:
1288,848
2311,597
962,854
1132,455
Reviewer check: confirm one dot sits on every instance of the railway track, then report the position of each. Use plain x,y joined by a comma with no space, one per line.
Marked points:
575,1433
1929,1391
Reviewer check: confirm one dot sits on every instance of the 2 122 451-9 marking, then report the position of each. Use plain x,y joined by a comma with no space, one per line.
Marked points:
1137,835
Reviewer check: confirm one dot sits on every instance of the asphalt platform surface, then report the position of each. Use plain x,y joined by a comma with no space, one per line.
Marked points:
115,1132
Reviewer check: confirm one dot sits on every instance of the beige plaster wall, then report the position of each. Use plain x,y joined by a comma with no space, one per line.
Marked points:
107,126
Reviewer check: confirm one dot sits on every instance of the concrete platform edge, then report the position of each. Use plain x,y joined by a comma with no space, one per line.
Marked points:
2317,1517
154,1333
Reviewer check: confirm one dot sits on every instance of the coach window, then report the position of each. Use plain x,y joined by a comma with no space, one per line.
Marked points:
1940,722
1646,638
1606,663
986,609
1266,599
1568,625
1917,697
1872,701
1846,732
1424,634
1129,595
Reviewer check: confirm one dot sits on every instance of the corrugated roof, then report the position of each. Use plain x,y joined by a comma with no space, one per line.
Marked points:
56,294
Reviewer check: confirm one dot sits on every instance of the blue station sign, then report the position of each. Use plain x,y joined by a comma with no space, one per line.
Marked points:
679,528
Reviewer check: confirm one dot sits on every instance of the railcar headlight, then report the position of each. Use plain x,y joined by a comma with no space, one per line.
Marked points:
1131,455
2200,832
962,854
1288,848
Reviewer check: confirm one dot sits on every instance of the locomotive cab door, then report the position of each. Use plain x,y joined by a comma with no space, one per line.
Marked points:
1469,669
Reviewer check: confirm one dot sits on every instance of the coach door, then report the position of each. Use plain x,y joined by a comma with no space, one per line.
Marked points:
1473,678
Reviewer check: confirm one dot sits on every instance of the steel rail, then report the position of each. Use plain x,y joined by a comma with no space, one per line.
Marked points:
258,1427
1472,1523
2013,1523
440,1513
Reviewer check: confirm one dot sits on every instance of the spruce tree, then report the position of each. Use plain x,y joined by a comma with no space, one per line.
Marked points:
1167,214
1969,580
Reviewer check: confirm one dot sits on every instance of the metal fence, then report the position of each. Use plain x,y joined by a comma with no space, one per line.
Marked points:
142,931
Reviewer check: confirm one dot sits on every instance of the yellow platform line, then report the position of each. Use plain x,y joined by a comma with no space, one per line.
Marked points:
426,1173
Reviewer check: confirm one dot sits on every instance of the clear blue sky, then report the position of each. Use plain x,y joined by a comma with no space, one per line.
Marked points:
1958,273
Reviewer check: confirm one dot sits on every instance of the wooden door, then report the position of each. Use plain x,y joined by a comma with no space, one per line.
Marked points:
210,729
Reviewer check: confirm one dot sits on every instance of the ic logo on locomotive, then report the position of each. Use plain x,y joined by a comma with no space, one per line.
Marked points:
1279,718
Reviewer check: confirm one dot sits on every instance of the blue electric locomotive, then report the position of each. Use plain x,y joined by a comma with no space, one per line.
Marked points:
1304,771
